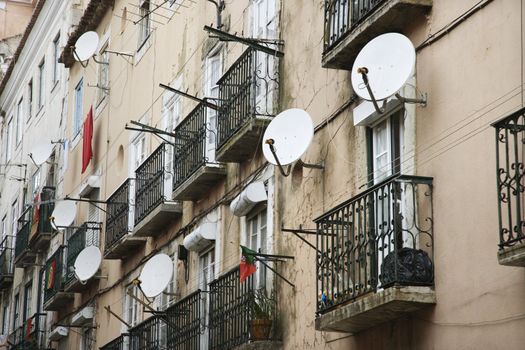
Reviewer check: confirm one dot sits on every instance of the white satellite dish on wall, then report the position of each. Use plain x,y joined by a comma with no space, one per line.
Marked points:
290,133
86,46
389,60
64,213
87,263
156,275
41,152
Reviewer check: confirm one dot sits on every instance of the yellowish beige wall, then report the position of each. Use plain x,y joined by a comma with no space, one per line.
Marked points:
472,76
15,17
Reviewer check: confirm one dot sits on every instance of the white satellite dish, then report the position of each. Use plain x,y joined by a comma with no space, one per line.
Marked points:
64,213
156,275
87,263
389,60
41,152
86,46
291,132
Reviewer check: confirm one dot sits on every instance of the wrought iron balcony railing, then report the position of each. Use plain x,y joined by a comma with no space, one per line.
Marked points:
247,90
190,145
30,335
54,274
118,218
6,258
24,229
230,309
510,164
88,234
41,213
341,16
184,321
150,184
119,343
381,237
147,335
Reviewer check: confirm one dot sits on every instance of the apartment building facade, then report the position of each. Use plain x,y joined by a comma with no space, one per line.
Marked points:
404,234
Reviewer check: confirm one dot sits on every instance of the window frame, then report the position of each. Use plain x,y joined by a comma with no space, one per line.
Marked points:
41,83
56,53
145,23
78,111
19,121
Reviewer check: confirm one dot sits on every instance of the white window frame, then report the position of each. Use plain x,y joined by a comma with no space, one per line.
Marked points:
131,306
14,217
212,73
56,53
19,120
103,75
261,239
78,108
41,83
207,262
145,22
9,139
30,99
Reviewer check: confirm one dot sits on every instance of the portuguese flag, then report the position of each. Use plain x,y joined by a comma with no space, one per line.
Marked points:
51,272
247,267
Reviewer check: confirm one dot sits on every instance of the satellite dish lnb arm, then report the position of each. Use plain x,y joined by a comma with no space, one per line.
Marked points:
270,143
364,74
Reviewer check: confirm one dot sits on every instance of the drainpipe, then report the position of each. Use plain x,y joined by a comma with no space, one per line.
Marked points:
220,5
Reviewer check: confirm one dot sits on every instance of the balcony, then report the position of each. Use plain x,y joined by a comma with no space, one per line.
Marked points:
153,208
24,256
247,95
195,172
184,321
119,241
375,256
41,229
231,307
88,234
119,343
510,164
148,335
30,335
349,25
55,296
6,262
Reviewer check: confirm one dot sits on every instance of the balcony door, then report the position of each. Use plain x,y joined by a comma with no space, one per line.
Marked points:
206,275
386,159
264,27
28,299
213,72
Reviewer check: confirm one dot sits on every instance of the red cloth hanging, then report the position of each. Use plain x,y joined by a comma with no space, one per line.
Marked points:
87,149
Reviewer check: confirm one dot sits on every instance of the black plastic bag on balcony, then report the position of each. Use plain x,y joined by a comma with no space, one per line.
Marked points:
413,267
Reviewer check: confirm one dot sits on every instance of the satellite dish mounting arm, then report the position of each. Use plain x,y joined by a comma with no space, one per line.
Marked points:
270,143
364,74
78,58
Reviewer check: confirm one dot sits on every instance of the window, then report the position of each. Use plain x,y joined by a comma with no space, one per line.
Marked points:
213,72
29,99
145,22
5,319
131,306
86,339
41,83
35,184
3,227
28,300
206,275
264,19
256,238
167,299
385,147
8,139
19,121
139,151
14,217
77,115
56,56
16,312
103,76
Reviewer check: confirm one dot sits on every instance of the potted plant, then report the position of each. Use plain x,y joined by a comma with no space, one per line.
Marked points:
261,320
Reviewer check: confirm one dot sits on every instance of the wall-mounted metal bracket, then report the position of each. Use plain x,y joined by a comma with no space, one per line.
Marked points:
257,44
204,101
301,230
108,309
